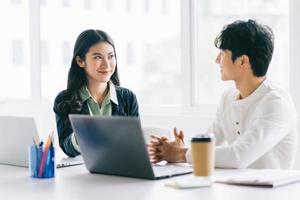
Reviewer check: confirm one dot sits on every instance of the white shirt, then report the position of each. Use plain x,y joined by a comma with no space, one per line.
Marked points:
259,131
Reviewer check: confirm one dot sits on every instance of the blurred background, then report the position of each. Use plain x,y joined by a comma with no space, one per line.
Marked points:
149,37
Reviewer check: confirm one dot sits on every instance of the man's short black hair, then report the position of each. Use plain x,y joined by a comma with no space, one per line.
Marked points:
251,39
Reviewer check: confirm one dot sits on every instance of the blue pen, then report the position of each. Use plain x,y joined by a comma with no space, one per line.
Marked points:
52,161
39,158
53,166
33,160
47,172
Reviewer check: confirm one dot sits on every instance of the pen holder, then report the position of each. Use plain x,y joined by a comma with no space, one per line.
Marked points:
41,162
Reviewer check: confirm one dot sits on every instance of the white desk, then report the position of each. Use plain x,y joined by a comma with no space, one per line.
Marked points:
73,183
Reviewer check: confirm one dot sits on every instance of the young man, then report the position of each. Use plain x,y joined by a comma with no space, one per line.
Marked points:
256,122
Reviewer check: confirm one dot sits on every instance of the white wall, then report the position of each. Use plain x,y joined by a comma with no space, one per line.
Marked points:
295,52
190,124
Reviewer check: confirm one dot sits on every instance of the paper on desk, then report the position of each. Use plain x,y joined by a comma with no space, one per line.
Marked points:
189,182
261,177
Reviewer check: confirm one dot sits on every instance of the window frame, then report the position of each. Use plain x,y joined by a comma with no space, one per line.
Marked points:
189,48
35,57
294,70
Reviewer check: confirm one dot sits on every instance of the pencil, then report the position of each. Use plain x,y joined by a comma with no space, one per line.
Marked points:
44,156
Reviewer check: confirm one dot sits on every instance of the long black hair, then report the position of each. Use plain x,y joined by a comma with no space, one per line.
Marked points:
77,77
86,39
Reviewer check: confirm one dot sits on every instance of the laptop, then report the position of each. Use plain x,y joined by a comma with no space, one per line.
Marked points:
17,134
115,146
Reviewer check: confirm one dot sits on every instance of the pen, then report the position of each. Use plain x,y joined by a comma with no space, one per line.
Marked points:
35,144
44,156
36,140
33,160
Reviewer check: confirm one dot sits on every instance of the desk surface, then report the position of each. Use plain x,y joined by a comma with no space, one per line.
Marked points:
77,183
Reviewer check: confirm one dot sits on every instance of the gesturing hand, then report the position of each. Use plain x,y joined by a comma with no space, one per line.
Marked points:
161,148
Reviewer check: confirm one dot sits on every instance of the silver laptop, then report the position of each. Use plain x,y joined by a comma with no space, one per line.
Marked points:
116,146
16,135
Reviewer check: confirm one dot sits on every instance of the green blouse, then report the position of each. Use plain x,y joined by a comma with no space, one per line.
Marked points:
105,109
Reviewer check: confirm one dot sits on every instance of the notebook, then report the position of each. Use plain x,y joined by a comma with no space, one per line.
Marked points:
17,134
261,177
115,145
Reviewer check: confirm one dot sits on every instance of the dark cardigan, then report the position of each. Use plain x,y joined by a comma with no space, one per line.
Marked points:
63,106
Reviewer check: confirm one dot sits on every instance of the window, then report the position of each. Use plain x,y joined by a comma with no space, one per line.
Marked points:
66,53
88,4
44,53
14,50
148,48
211,16
166,53
17,53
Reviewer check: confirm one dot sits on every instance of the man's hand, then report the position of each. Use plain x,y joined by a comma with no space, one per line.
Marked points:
161,148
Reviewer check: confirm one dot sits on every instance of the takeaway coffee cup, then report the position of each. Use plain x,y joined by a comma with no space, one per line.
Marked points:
203,154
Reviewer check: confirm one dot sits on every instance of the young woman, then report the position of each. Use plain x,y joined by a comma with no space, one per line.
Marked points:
93,87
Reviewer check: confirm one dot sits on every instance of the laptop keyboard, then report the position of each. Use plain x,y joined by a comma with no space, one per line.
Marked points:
67,161
171,170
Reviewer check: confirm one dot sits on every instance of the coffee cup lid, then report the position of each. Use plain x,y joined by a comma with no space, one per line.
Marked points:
203,138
